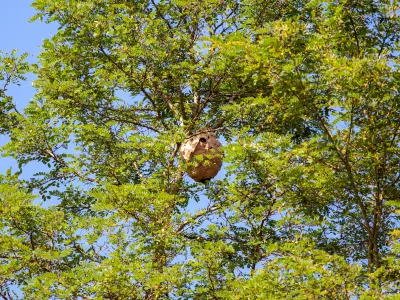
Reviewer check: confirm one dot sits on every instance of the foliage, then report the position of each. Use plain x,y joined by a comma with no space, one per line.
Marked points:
304,95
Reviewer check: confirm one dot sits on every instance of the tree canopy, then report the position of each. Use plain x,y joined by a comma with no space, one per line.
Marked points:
304,96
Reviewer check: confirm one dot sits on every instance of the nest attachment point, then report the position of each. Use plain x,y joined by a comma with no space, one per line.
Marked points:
203,144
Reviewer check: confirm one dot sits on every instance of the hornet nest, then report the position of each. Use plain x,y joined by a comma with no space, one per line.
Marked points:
205,144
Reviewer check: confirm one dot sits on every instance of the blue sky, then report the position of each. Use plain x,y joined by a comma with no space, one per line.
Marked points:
26,36
17,32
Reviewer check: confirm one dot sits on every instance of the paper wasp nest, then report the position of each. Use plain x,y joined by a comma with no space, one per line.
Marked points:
205,144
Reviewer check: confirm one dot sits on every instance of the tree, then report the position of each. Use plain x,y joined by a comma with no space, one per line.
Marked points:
304,95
